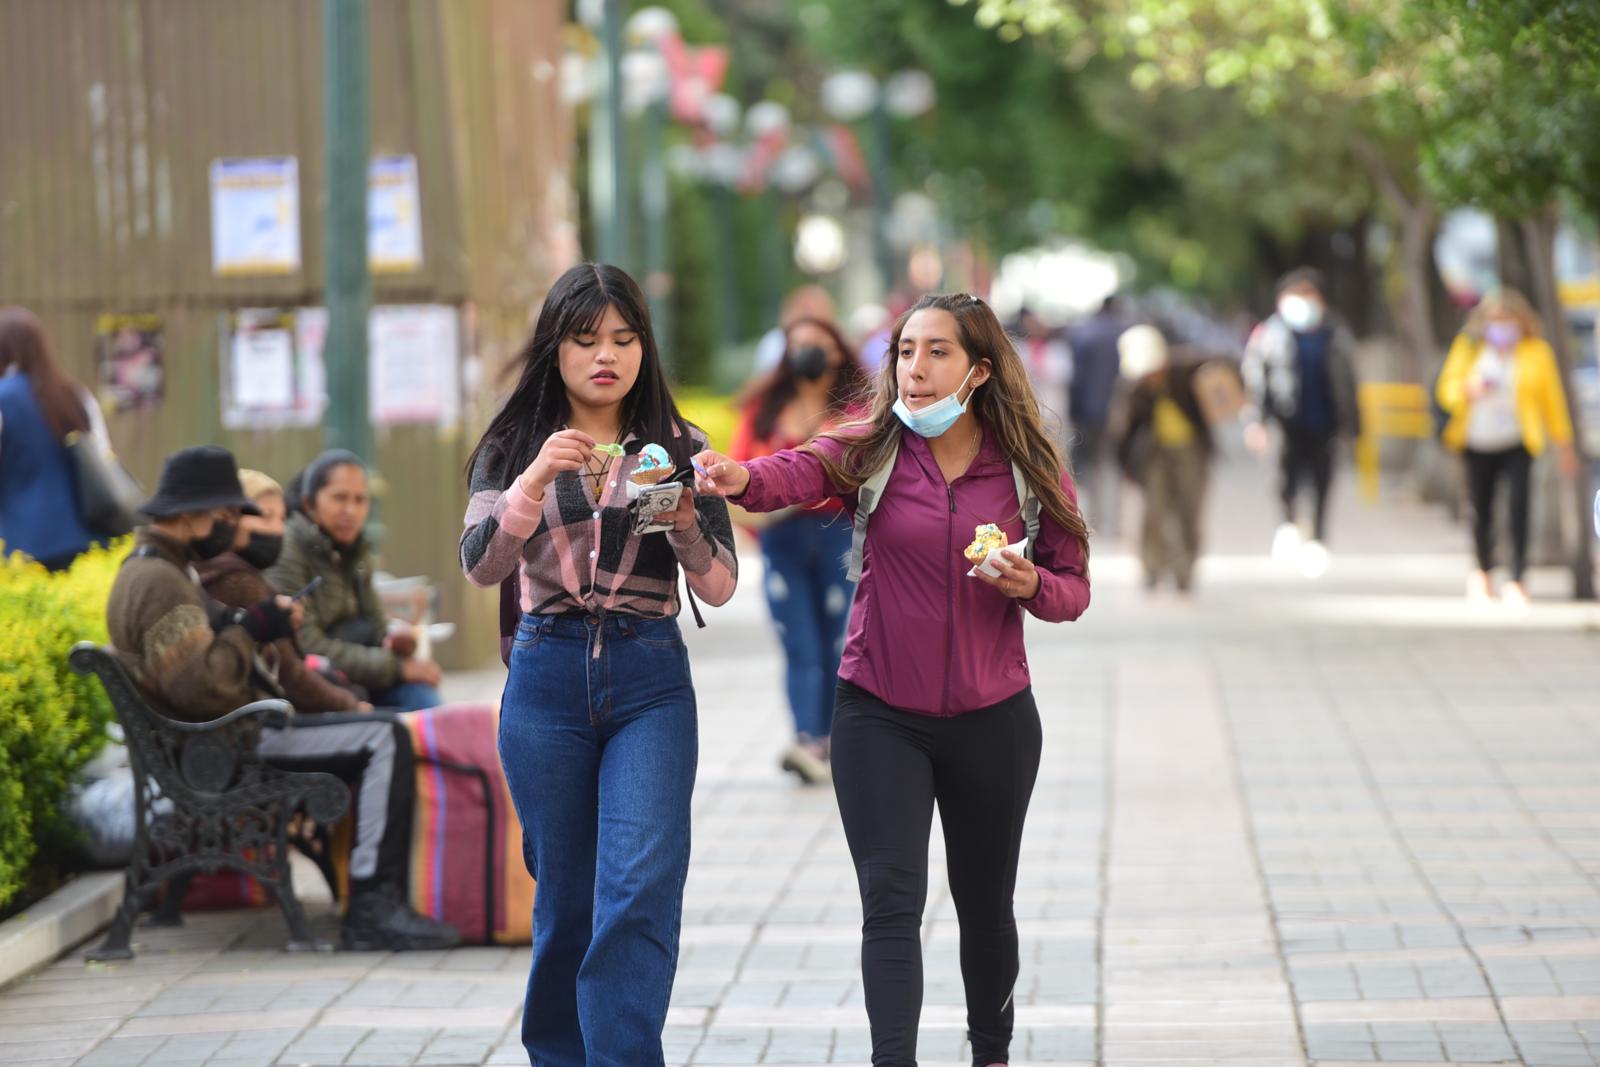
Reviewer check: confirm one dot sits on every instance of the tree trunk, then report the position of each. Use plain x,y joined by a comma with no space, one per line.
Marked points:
1414,311
1538,245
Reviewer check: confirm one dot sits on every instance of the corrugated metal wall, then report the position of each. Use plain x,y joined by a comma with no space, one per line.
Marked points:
111,112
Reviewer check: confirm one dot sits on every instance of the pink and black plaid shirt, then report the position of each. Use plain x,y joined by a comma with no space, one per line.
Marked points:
580,554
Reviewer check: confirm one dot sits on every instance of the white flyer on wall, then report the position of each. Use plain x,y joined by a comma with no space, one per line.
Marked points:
415,360
255,216
394,215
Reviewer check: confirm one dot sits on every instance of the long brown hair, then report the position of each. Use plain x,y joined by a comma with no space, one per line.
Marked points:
1005,404
772,393
22,345
538,406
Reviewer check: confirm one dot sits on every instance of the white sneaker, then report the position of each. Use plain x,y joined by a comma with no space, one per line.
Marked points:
805,760
1513,595
1478,588
1286,542
1314,559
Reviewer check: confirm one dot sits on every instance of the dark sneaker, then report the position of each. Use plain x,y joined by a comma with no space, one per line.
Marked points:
377,922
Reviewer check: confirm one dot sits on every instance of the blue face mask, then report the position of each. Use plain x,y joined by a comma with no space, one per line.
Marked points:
938,416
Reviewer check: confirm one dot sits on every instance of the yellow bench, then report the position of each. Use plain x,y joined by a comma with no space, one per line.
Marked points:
1388,409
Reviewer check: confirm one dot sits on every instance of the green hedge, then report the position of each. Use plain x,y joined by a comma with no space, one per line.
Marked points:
52,721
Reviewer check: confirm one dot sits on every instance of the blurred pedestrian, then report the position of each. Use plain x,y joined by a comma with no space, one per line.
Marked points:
41,409
1095,374
1299,367
1165,448
804,549
806,302
1502,390
345,619
935,707
1048,358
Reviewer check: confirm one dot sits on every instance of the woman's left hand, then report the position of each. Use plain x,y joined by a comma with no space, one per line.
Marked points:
685,517
1019,578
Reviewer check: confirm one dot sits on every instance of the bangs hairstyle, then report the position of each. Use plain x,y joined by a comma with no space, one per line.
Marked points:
1505,304
1004,404
538,407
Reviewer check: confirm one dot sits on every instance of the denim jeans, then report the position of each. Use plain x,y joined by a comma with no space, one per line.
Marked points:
810,602
409,696
599,742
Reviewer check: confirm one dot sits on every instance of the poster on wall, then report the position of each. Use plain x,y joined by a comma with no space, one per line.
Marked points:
128,353
255,216
266,380
414,368
394,215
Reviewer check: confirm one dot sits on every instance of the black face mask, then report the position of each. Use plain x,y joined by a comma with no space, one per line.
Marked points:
218,541
809,362
262,551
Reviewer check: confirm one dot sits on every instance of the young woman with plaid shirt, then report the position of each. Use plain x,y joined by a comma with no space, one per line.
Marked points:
598,723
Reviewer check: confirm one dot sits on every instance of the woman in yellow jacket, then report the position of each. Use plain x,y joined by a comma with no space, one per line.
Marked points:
1502,390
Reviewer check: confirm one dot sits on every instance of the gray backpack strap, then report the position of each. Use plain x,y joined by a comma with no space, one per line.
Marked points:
1029,506
867,498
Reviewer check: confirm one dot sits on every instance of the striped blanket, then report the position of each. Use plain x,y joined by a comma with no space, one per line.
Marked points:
466,845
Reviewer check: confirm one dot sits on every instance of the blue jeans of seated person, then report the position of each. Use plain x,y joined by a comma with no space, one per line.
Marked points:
809,597
409,696
599,740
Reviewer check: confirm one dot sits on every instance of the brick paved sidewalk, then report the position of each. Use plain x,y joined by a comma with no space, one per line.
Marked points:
1282,823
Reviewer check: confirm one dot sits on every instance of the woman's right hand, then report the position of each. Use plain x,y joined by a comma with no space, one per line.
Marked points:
718,475
567,450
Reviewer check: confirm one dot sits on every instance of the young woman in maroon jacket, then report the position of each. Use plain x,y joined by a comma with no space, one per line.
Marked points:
934,703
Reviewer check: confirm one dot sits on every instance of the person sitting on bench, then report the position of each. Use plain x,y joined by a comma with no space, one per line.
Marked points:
198,659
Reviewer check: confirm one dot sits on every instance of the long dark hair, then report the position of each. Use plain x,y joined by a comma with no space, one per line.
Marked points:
538,406
22,345
1005,404
773,393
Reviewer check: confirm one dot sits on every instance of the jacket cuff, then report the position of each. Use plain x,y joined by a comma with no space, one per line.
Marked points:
521,512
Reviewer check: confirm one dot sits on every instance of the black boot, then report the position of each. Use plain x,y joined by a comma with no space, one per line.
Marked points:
379,921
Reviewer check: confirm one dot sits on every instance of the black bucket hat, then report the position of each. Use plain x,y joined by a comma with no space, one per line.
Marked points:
199,479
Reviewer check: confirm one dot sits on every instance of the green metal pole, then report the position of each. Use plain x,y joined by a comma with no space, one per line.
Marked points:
774,259
348,284
882,195
657,237
607,148
723,266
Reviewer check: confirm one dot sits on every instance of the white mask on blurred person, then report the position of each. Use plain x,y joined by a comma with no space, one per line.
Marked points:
1301,314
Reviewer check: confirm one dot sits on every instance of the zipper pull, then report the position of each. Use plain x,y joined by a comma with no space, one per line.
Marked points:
952,491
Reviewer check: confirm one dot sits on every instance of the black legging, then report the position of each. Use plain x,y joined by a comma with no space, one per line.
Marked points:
1484,471
889,768
1310,452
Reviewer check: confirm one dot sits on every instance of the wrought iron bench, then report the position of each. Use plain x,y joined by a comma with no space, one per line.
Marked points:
203,801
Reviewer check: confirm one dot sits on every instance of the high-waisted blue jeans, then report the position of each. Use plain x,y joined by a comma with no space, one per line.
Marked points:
599,741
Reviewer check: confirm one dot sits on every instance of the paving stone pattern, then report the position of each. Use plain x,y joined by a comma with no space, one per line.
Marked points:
1283,823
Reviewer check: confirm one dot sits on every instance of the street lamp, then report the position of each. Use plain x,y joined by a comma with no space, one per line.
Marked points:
607,150
647,83
851,95
767,124
722,164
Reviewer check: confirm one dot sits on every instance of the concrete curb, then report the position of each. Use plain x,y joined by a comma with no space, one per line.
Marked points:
58,923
